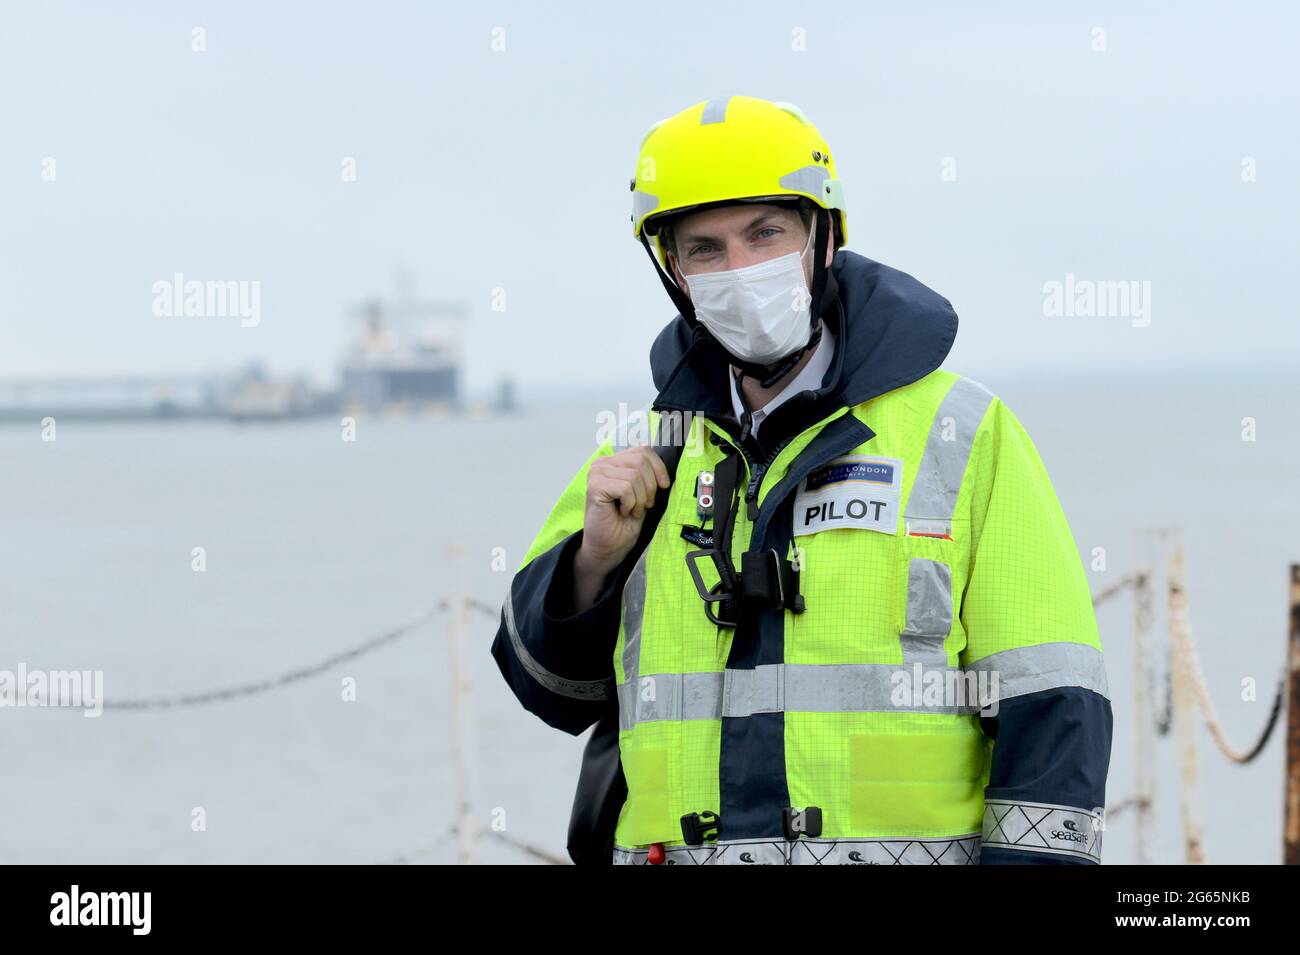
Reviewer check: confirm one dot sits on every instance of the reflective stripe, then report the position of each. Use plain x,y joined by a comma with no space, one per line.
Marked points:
715,111
1043,827
644,203
1045,666
633,616
957,850
929,612
670,696
760,690
809,179
842,688
932,502
939,476
793,688
574,689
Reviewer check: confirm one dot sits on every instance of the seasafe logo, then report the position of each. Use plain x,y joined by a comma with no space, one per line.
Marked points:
1074,835
851,491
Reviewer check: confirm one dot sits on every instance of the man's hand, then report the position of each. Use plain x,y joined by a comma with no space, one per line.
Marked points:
620,489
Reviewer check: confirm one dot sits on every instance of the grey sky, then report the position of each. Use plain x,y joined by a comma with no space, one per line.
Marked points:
479,169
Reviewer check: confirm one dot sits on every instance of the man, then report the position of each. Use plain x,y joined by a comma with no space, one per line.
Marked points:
862,537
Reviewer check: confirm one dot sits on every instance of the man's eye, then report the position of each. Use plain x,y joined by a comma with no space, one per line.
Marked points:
759,233
701,249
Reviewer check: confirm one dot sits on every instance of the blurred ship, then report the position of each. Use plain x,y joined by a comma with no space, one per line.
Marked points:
256,396
406,354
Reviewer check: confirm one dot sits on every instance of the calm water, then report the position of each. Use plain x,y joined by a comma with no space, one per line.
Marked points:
313,544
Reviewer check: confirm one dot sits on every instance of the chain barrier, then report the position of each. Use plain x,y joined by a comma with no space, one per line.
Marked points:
1140,582
298,674
1196,677
1181,676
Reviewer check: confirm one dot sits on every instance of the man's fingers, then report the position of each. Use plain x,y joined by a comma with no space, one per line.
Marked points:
628,504
642,469
626,486
636,477
662,478
649,479
649,483
652,470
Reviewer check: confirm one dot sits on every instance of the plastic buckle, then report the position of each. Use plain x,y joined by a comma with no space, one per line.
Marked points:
801,822
699,826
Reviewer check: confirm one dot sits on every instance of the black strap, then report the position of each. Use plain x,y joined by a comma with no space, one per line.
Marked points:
726,477
766,578
676,294
747,413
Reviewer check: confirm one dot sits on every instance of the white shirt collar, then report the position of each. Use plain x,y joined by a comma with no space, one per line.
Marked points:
809,379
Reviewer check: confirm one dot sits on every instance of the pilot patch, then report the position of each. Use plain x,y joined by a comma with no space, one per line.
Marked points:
852,491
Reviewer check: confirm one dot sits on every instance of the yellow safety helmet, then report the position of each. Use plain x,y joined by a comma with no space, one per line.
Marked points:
728,149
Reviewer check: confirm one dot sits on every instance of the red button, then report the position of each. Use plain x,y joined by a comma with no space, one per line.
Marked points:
656,853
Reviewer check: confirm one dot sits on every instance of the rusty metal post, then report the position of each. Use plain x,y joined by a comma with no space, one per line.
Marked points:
1291,825
1145,769
1184,705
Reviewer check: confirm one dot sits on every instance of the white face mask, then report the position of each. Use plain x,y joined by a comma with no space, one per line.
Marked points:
759,313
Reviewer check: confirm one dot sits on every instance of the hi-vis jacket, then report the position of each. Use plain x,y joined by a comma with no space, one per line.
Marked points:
938,696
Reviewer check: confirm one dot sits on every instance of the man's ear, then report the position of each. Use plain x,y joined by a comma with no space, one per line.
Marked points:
830,241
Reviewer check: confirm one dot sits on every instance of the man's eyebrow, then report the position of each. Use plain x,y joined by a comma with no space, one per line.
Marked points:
701,237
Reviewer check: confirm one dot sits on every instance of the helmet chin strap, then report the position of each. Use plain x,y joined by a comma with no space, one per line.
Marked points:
768,375
778,371
676,294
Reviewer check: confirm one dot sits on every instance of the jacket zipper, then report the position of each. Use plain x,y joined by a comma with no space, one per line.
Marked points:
756,477
756,471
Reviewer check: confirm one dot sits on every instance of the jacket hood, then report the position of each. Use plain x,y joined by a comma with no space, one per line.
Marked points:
890,330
